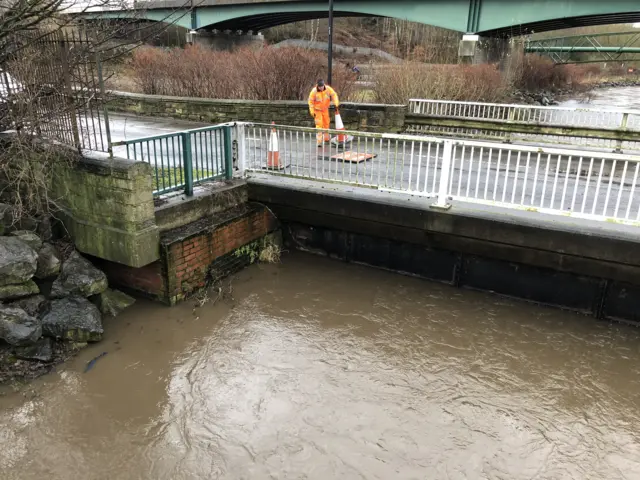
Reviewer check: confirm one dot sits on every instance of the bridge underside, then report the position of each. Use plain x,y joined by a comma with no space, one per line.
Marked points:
489,18
562,23
262,22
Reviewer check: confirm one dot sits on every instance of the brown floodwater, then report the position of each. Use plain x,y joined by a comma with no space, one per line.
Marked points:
320,370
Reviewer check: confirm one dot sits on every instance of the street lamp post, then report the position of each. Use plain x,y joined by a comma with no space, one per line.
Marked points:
330,46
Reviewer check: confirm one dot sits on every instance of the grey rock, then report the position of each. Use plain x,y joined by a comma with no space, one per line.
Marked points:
78,278
75,319
34,306
6,217
45,230
29,238
17,327
18,261
49,262
111,302
41,351
20,290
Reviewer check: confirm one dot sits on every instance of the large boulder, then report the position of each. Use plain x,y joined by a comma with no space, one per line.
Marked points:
48,262
29,238
18,261
78,278
12,292
75,319
17,327
111,302
35,306
42,351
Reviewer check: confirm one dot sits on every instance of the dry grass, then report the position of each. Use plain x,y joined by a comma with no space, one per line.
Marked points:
264,74
270,253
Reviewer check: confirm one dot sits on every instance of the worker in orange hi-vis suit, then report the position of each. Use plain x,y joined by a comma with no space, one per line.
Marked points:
320,100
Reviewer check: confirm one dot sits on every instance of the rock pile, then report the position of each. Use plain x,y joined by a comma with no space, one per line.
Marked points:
47,304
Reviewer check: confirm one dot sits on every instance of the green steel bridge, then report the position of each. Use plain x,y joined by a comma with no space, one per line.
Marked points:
488,18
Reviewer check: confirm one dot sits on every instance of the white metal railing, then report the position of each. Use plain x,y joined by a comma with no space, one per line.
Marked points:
559,116
401,162
578,183
624,120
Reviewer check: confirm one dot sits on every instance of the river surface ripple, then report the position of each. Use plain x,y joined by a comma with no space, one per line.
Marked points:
320,370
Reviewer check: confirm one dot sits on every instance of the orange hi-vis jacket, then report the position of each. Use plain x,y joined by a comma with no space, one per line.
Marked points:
320,101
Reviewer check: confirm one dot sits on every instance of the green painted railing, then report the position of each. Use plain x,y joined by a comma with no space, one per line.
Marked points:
181,160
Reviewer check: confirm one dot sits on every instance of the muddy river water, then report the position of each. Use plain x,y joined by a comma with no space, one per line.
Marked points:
314,369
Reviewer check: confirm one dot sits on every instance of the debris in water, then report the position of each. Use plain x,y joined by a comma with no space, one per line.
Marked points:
91,363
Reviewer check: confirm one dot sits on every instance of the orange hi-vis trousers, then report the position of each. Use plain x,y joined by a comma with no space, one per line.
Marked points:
323,120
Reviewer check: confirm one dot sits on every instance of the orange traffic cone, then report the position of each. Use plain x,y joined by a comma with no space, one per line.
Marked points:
340,139
340,126
273,155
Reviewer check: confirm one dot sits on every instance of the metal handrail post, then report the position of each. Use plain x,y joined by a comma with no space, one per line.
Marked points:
228,153
445,174
187,163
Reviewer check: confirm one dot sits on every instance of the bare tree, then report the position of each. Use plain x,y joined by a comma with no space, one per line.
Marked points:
51,86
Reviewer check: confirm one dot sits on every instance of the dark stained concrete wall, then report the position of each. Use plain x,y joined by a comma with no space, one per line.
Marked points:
577,265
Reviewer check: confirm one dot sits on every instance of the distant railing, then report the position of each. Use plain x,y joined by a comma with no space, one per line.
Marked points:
181,160
577,183
610,129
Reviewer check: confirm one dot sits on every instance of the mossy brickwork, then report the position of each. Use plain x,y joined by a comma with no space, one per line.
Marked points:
198,254
364,116
107,208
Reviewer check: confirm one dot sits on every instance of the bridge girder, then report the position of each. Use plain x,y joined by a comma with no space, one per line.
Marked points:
491,18
564,50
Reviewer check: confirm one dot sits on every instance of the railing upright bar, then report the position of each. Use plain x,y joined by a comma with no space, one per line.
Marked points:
228,154
187,163
443,186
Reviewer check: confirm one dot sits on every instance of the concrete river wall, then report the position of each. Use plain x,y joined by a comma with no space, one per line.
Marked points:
570,264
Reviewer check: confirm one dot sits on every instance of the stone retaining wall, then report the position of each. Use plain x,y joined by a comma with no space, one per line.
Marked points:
107,208
364,116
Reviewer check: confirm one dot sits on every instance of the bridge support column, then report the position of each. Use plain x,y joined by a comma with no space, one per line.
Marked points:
507,53
228,40
475,50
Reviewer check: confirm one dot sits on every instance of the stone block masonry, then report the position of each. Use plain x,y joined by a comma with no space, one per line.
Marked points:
107,208
198,254
362,116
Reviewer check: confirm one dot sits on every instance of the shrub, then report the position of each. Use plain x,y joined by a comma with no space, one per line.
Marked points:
536,73
265,74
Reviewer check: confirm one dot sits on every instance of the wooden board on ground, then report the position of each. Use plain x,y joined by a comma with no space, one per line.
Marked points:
353,157
278,168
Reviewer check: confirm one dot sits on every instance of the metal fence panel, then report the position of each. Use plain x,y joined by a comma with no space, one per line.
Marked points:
569,117
181,160
398,162
53,85
578,183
